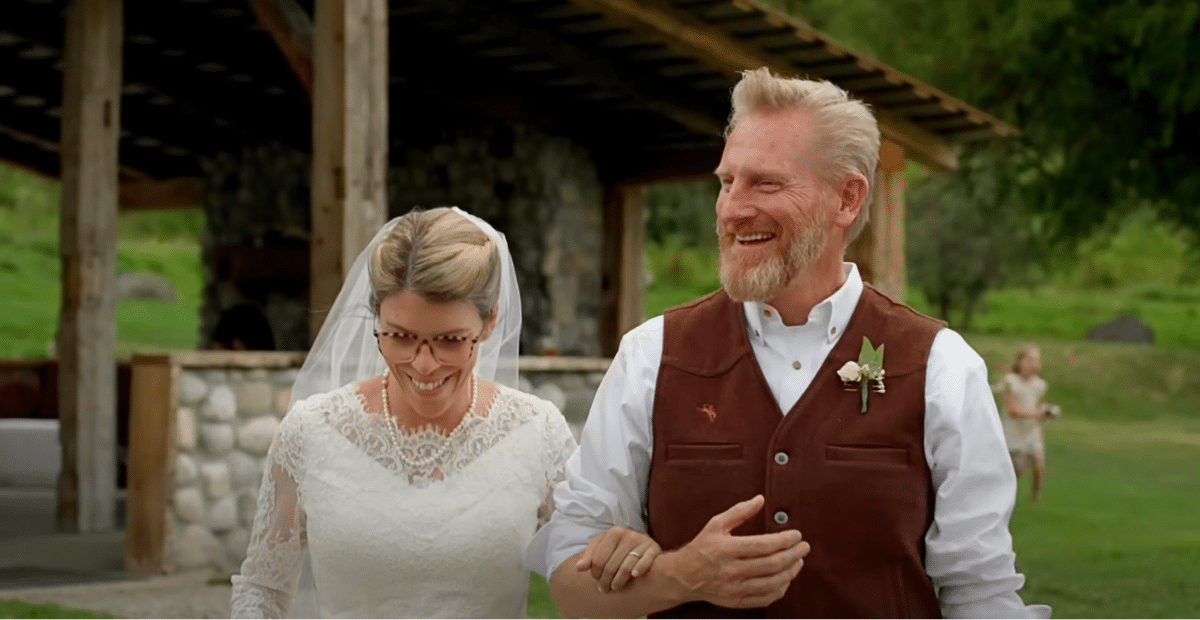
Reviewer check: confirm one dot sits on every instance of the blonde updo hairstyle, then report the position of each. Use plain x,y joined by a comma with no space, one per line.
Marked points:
441,256
847,135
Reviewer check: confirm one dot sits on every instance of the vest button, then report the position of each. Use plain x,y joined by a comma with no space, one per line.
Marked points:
781,517
796,365
781,458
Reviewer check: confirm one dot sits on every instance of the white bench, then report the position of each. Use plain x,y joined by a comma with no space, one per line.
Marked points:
30,459
30,454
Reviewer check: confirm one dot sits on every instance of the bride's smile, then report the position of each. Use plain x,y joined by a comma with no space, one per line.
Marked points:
430,348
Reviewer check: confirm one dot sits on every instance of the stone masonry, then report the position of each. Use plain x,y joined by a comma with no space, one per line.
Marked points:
542,191
224,425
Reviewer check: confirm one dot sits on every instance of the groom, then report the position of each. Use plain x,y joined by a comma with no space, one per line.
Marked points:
724,431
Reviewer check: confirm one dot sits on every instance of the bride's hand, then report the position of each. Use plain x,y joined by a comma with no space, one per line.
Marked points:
617,557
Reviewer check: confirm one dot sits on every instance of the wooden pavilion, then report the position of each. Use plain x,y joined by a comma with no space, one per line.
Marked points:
129,102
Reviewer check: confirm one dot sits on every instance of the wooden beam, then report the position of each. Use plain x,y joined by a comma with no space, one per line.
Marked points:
350,129
484,17
151,461
880,250
624,248
43,156
91,121
691,36
292,29
923,146
693,163
151,194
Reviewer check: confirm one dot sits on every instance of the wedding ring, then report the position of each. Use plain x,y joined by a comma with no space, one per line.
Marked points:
635,554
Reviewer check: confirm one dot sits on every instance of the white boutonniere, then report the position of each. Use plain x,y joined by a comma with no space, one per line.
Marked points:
867,372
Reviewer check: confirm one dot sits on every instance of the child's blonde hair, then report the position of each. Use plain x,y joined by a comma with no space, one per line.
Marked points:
1022,353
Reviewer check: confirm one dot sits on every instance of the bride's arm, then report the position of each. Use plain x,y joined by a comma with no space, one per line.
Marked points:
269,576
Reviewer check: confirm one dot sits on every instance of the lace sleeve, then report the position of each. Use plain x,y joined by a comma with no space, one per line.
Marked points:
560,445
269,576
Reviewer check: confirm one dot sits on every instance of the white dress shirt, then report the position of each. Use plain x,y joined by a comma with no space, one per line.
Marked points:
968,549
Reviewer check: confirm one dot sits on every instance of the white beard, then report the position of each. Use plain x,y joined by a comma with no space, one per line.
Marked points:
764,281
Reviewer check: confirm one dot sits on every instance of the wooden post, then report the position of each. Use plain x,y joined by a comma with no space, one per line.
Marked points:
880,249
349,141
151,460
624,249
88,244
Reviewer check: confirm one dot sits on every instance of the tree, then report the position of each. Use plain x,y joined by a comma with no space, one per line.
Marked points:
1103,91
968,233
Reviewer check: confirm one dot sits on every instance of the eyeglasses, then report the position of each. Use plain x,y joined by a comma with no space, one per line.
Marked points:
403,347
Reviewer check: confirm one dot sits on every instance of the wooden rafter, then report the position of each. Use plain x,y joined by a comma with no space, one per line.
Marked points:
146,194
689,35
292,29
483,17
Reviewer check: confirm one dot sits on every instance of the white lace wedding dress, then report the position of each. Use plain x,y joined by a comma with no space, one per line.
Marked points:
388,540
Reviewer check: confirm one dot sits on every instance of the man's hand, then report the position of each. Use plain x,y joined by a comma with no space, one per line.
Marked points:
617,556
738,571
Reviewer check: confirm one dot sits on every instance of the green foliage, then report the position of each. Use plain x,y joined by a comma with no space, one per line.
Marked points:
22,609
967,234
682,212
679,274
1101,89
1140,251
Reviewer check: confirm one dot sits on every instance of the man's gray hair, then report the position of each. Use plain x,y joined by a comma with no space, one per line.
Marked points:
847,133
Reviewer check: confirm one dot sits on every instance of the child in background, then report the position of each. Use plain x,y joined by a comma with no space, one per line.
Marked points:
1024,409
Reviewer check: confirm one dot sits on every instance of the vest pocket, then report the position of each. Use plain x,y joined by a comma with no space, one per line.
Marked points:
704,451
867,454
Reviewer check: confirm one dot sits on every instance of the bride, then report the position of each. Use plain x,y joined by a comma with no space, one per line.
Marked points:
409,473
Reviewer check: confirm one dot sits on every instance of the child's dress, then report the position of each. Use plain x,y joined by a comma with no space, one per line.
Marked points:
1024,435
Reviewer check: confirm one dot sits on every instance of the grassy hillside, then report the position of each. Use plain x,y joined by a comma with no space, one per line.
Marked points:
31,283
165,243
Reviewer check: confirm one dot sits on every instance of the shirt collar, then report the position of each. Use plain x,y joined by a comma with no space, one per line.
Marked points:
831,315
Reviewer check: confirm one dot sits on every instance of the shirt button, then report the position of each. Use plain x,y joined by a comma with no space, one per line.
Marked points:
781,517
766,313
796,365
833,330
781,458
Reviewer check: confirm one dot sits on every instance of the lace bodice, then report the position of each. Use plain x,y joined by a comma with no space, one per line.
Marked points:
390,540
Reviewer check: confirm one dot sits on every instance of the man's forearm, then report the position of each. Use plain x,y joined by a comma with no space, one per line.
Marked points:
577,595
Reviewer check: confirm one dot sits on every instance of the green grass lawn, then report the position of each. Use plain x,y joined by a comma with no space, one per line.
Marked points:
1173,313
22,609
1116,533
31,284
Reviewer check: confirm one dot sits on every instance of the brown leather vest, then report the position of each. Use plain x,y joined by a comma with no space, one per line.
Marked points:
855,485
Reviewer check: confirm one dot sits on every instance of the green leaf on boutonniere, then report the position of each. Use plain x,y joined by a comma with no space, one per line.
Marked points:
870,361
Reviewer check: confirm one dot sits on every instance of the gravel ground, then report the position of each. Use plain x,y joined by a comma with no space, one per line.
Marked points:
190,595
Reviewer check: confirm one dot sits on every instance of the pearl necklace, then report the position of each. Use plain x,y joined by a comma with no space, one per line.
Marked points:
394,428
